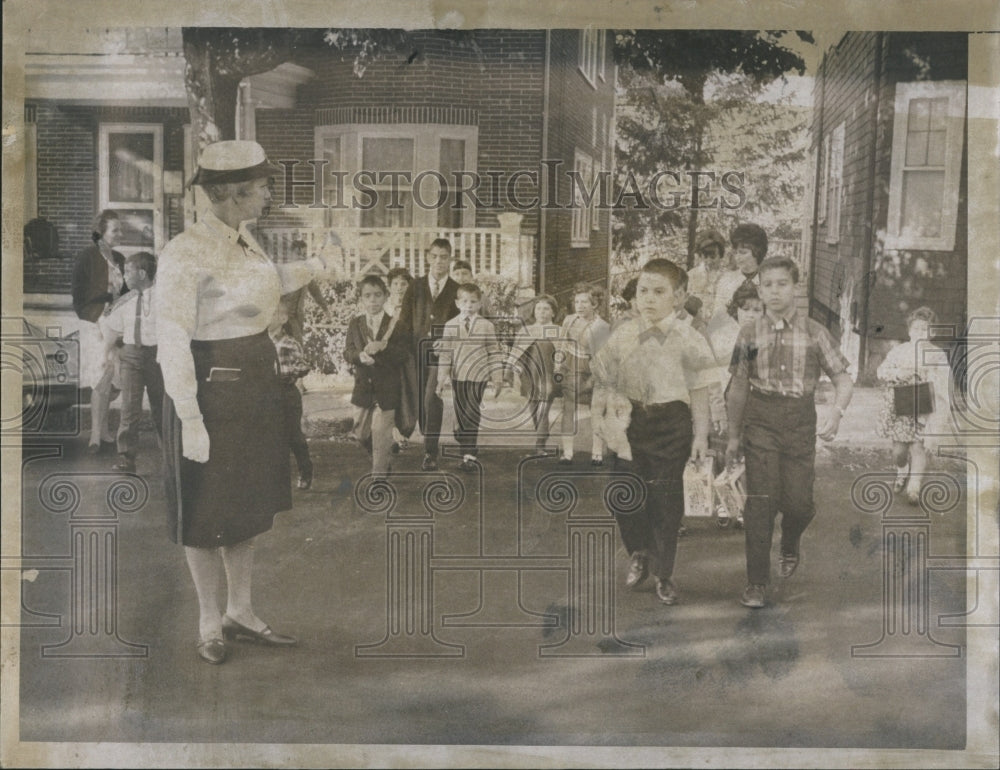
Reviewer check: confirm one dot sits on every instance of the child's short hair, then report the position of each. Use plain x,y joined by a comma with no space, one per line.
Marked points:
469,288
440,243
144,261
461,264
373,280
596,292
745,293
753,236
398,272
669,270
628,293
780,263
922,313
549,300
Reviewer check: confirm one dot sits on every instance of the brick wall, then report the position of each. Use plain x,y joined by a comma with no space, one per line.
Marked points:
571,105
67,157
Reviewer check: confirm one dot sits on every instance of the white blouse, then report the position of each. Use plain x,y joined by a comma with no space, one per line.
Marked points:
210,286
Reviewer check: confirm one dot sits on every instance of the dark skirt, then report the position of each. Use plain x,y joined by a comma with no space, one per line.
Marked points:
247,478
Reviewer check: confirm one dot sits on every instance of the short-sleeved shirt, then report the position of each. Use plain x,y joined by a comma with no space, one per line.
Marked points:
785,356
655,363
120,319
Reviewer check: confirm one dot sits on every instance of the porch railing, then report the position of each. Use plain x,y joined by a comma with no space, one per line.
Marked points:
503,251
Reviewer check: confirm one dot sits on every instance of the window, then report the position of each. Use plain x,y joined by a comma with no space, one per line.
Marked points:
834,183
583,210
426,153
927,135
130,157
591,61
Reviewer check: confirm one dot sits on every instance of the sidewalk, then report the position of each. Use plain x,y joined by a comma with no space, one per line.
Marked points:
328,414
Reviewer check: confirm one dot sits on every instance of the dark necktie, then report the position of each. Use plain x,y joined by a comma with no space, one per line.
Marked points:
137,332
241,241
468,325
652,333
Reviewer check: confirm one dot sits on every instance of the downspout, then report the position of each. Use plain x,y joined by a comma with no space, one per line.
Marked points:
545,153
610,139
820,160
866,266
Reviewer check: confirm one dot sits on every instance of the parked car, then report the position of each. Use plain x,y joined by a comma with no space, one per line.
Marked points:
50,373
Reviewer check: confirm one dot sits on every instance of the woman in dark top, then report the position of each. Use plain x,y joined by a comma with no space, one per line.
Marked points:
98,280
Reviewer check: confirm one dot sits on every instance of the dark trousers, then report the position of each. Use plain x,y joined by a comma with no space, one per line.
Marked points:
660,436
540,417
291,402
431,406
468,397
779,443
139,372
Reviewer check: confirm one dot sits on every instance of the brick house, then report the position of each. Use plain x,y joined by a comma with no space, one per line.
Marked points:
890,218
108,127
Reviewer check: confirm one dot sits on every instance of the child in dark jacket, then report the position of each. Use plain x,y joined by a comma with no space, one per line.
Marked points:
292,367
377,356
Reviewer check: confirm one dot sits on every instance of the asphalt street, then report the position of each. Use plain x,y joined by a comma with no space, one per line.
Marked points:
489,608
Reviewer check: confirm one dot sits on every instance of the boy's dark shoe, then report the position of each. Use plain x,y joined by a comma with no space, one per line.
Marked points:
395,448
787,564
429,463
666,591
305,480
125,464
638,570
753,596
468,466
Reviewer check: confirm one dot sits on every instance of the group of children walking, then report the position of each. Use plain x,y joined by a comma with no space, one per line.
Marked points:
662,369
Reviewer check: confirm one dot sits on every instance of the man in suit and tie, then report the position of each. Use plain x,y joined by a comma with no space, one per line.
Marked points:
429,303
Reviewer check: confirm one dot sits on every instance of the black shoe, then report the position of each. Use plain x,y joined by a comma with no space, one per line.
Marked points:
233,630
787,564
565,460
93,449
597,462
468,466
305,481
666,591
638,570
429,463
395,448
213,651
125,464
753,596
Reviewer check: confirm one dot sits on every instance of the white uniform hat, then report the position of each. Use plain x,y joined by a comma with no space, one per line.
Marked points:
233,161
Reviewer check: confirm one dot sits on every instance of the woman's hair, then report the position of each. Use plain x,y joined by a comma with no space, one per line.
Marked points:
596,292
101,225
922,313
219,192
628,293
549,300
707,238
753,236
743,294
398,272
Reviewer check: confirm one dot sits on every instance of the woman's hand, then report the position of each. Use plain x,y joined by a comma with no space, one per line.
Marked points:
194,439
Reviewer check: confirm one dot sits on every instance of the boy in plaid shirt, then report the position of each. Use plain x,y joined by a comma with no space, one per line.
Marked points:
776,364
291,367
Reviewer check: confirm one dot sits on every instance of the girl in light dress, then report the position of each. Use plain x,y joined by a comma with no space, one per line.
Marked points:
533,357
905,365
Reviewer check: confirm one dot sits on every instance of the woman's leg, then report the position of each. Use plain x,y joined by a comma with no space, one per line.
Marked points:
238,561
918,464
205,571
569,418
901,458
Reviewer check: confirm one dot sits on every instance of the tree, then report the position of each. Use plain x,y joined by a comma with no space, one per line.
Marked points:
673,86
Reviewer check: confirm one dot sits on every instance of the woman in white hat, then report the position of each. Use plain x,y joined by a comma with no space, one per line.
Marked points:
226,448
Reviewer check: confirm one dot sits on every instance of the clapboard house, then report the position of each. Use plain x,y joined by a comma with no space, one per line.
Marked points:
890,217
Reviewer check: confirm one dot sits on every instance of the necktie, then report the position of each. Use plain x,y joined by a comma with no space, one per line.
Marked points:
652,333
241,241
137,332
468,325
435,289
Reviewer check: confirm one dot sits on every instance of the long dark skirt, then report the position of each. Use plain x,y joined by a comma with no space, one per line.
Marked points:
247,478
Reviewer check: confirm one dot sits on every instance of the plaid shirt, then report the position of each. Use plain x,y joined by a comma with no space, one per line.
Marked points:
291,364
787,356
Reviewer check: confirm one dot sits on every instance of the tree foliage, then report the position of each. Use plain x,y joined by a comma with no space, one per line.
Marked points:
686,98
